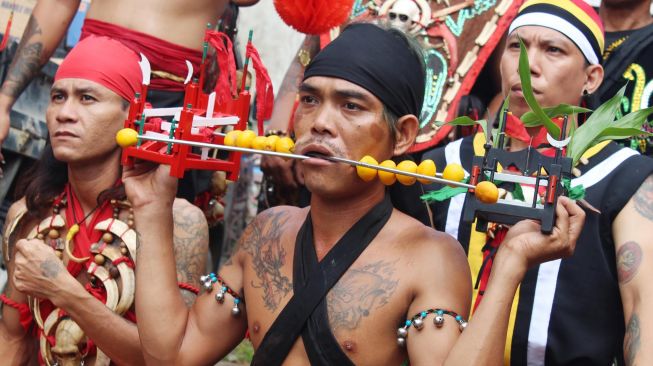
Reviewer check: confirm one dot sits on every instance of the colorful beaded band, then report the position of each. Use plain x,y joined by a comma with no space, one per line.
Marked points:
208,281
418,322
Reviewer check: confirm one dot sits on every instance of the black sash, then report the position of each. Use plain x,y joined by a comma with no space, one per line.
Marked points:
306,312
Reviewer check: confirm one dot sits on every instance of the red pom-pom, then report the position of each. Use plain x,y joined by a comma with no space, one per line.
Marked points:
314,16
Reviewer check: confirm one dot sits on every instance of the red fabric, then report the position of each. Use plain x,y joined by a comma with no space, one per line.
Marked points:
24,314
313,16
587,8
106,62
86,235
163,55
125,260
515,129
264,92
225,87
488,258
189,287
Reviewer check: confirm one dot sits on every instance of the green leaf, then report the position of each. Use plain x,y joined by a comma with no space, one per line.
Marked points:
530,119
465,121
634,119
527,90
502,121
585,136
616,133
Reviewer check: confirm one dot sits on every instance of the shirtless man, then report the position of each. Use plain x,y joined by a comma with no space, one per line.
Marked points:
89,103
346,272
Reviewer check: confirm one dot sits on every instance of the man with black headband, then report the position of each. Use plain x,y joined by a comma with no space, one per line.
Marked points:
348,280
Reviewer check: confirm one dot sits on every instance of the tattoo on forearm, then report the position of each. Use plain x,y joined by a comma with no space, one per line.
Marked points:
190,246
26,63
51,268
629,257
631,340
359,292
262,241
643,199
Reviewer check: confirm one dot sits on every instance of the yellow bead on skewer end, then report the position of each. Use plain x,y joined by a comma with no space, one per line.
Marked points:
284,145
367,174
486,192
127,137
453,172
231,137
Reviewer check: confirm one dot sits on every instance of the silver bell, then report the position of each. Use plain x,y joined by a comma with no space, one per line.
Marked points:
402,332
401,342
462,325
438,321
419,323
219,297
235,310
208,285
204,278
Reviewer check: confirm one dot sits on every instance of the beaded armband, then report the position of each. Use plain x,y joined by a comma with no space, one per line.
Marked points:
417,321
211,278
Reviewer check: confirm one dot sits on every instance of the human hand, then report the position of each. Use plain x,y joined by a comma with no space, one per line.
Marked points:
38,271
286,175
526,246
148,183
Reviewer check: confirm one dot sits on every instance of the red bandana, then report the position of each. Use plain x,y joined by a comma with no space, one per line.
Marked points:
106,62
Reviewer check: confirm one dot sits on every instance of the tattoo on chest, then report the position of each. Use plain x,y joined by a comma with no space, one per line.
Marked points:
262,241
631,340
359,292
629,257
50,268
643,199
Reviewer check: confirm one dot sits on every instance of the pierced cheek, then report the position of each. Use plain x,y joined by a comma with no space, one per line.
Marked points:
349,346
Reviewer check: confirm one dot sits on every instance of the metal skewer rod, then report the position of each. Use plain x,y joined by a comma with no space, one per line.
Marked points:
304,157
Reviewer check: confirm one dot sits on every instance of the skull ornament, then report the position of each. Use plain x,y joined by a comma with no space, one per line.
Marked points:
403,14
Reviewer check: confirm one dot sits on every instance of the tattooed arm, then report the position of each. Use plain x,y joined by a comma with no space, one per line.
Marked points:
634,254
45,29
191,240
170,333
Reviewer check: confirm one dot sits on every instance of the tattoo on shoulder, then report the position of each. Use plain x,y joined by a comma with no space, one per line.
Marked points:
51,268
629,257
27,62
190,244
262,241
643,199
631,340
359,292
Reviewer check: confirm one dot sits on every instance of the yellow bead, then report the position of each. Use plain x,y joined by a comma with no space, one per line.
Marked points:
127,137
230,138
245,139
271,142
387,178
486,192
406,166
367,174
426,167
259,142
284,145
453,172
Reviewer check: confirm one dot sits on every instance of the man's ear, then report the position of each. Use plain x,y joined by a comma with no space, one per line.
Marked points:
406,132
594,78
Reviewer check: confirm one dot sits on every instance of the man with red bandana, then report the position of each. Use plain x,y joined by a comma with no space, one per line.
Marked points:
82,251
166,32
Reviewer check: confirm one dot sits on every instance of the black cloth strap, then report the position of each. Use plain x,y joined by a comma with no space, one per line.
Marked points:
306,312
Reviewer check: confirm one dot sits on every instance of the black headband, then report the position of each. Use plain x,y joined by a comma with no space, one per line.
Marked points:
377,60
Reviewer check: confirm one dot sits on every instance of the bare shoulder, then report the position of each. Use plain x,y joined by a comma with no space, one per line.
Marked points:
426,242
437,263
271,226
